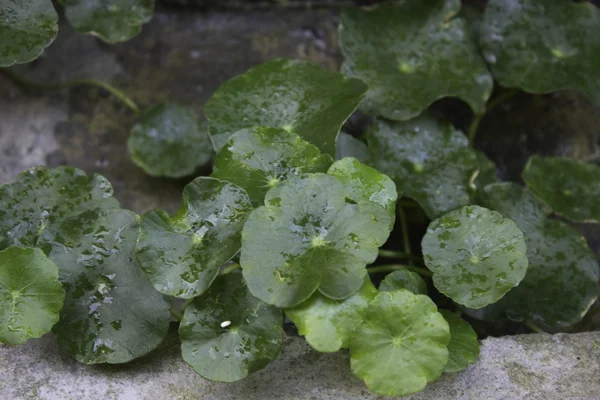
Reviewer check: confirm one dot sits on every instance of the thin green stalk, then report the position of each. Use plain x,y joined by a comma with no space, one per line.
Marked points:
176,314
404,227
490,106
397,267
229,269
398,255
533,327
27,85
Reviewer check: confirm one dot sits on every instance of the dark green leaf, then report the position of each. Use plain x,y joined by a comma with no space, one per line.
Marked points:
27,27
349,146
430,161
291,94
543,45
463,348
329,324
40,197
475,254
259,158
487,171
112,314
227,333
169,140
411,54
182,255
403,279
30,294
401,345
309,236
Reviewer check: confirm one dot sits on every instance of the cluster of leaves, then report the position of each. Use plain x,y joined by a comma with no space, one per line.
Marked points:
295,212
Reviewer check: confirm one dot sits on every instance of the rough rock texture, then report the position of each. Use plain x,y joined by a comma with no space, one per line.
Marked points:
529,367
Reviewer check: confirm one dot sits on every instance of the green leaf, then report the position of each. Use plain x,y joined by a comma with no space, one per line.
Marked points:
366,184
430,161
227,333
40,197
570,187
411,54
562,278
259,158
27,27
309,236
543,45
110,20
401,345
475,254
328,324
169,140
403,279
349,146
30,294
291,94
111,314
487,171
182,255
463,348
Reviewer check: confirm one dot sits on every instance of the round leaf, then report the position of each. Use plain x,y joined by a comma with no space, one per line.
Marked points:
27,27
309,236
39,197
227,333
291,94
259,158
463,348
30,294
329,324
543,45
403,279
475,254
349,146
112,20
411,54
169,140
111,314
430,161
401,345
182,255
570,187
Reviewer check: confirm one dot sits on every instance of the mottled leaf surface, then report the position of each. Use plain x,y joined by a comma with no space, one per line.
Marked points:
169,140
543,45
411,54
112,314
291,94
401,345
27,27
31,295
403,279
429,161
39,197
463,348
182,255
309,236
349,146
328,324
570,187
259,158
476,255
227,333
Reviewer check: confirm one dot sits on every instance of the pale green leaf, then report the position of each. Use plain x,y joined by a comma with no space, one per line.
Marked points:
349,146
403,279
463,348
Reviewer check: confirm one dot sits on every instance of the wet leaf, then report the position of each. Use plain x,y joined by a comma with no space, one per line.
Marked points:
411,54
182,255
169,140
227,333
403,279
543,45
27,27
570,187
308,236
463,348
40,197
349,146
293,95
110,20
475,254
401,345
329,324
258,158
429,161
30,294
110,305
562,278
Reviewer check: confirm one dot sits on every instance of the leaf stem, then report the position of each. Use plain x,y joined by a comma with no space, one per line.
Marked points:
176,314
397,267
399,255
404,226
27,85
229,269
490,106
533,327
